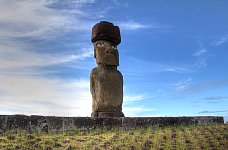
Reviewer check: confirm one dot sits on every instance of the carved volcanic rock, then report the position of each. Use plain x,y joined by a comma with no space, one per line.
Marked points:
107,89
106,53
106,31
106,82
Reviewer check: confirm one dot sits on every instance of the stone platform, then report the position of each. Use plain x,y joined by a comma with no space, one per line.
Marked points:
52,123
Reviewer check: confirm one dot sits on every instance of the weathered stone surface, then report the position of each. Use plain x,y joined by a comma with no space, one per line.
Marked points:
107,114
50,123
106,53
15,121
107,90
106,31
106,82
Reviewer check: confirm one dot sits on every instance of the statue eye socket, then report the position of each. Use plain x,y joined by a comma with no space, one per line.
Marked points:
114,47
99,45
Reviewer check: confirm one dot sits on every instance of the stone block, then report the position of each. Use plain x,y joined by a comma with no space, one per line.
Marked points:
52,123
106,114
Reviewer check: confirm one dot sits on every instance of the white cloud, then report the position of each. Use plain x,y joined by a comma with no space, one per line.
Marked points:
141,67
132,105
35,95
221,41
190,87
213,112
134,98
83,1
36,19
137,111
200,52
176,69
183,84
16,58
201,63
134,25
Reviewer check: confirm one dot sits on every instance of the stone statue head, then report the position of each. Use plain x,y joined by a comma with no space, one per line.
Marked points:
106,53
106,37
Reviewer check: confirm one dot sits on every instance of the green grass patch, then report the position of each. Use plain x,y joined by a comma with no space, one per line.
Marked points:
153,137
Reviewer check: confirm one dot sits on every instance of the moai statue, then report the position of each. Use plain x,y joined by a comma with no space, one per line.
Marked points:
106,82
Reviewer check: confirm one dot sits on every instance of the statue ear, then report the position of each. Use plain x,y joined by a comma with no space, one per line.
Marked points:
94,53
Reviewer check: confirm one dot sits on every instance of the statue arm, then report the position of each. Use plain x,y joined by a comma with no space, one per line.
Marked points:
92,86
91,83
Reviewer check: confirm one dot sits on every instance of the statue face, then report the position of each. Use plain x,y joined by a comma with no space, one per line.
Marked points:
106,53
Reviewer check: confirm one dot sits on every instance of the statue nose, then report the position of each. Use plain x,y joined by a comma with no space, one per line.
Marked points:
108,50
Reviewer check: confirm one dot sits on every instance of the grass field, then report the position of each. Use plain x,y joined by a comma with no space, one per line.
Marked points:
190,137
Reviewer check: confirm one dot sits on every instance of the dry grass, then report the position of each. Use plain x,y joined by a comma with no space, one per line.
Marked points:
192,137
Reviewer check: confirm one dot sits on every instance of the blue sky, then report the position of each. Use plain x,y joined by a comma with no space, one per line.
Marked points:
173,56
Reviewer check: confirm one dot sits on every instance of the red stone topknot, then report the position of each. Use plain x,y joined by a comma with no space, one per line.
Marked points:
106,31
